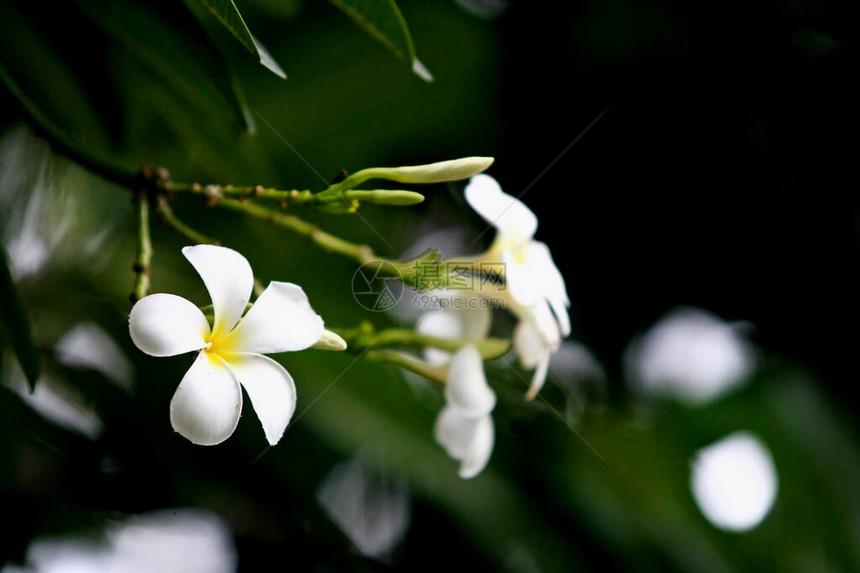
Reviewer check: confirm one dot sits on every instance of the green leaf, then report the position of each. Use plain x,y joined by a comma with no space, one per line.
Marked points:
227,13
382,20
14,321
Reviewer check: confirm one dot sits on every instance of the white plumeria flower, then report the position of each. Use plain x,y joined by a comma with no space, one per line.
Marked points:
464,427
208,402
535,292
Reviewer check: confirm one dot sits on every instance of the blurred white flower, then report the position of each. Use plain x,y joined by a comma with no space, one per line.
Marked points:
734,481
208,402
370,507
535,291
690,355
54,399
464,427
167,541
50,219
87,345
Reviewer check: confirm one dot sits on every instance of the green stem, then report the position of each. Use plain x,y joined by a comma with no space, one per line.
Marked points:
166,211
364,336
143,257
326,241
411,271
407,271
339,200
435,373
240,192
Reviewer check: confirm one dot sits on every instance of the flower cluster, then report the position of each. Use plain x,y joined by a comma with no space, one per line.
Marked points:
231,351
532,289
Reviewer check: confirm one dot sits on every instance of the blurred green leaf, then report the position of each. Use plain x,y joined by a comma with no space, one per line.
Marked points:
815,43
14,320
171,43
40,74
70,64
382,20
227,13
60,142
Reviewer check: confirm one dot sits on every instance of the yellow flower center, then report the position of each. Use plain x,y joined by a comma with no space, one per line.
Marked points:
217,345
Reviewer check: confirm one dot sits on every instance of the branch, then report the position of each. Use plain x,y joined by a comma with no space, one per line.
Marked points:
338,200
143,257
164,209
364,337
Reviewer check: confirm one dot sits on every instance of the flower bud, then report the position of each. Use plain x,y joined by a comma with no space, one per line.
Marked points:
385,197
330,341
451,170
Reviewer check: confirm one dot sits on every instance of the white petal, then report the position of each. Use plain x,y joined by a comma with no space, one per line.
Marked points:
206,406
532,278
228,278
167,325
514,221
533,350
436,356
474,322
560,311
441,324
270,387
522,282
480,449
467,388
281,320
542,323
528,343
539,376
546,324
454,432
540,265
468,323
469,440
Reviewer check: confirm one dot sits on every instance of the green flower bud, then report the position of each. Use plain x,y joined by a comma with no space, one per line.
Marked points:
385,197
